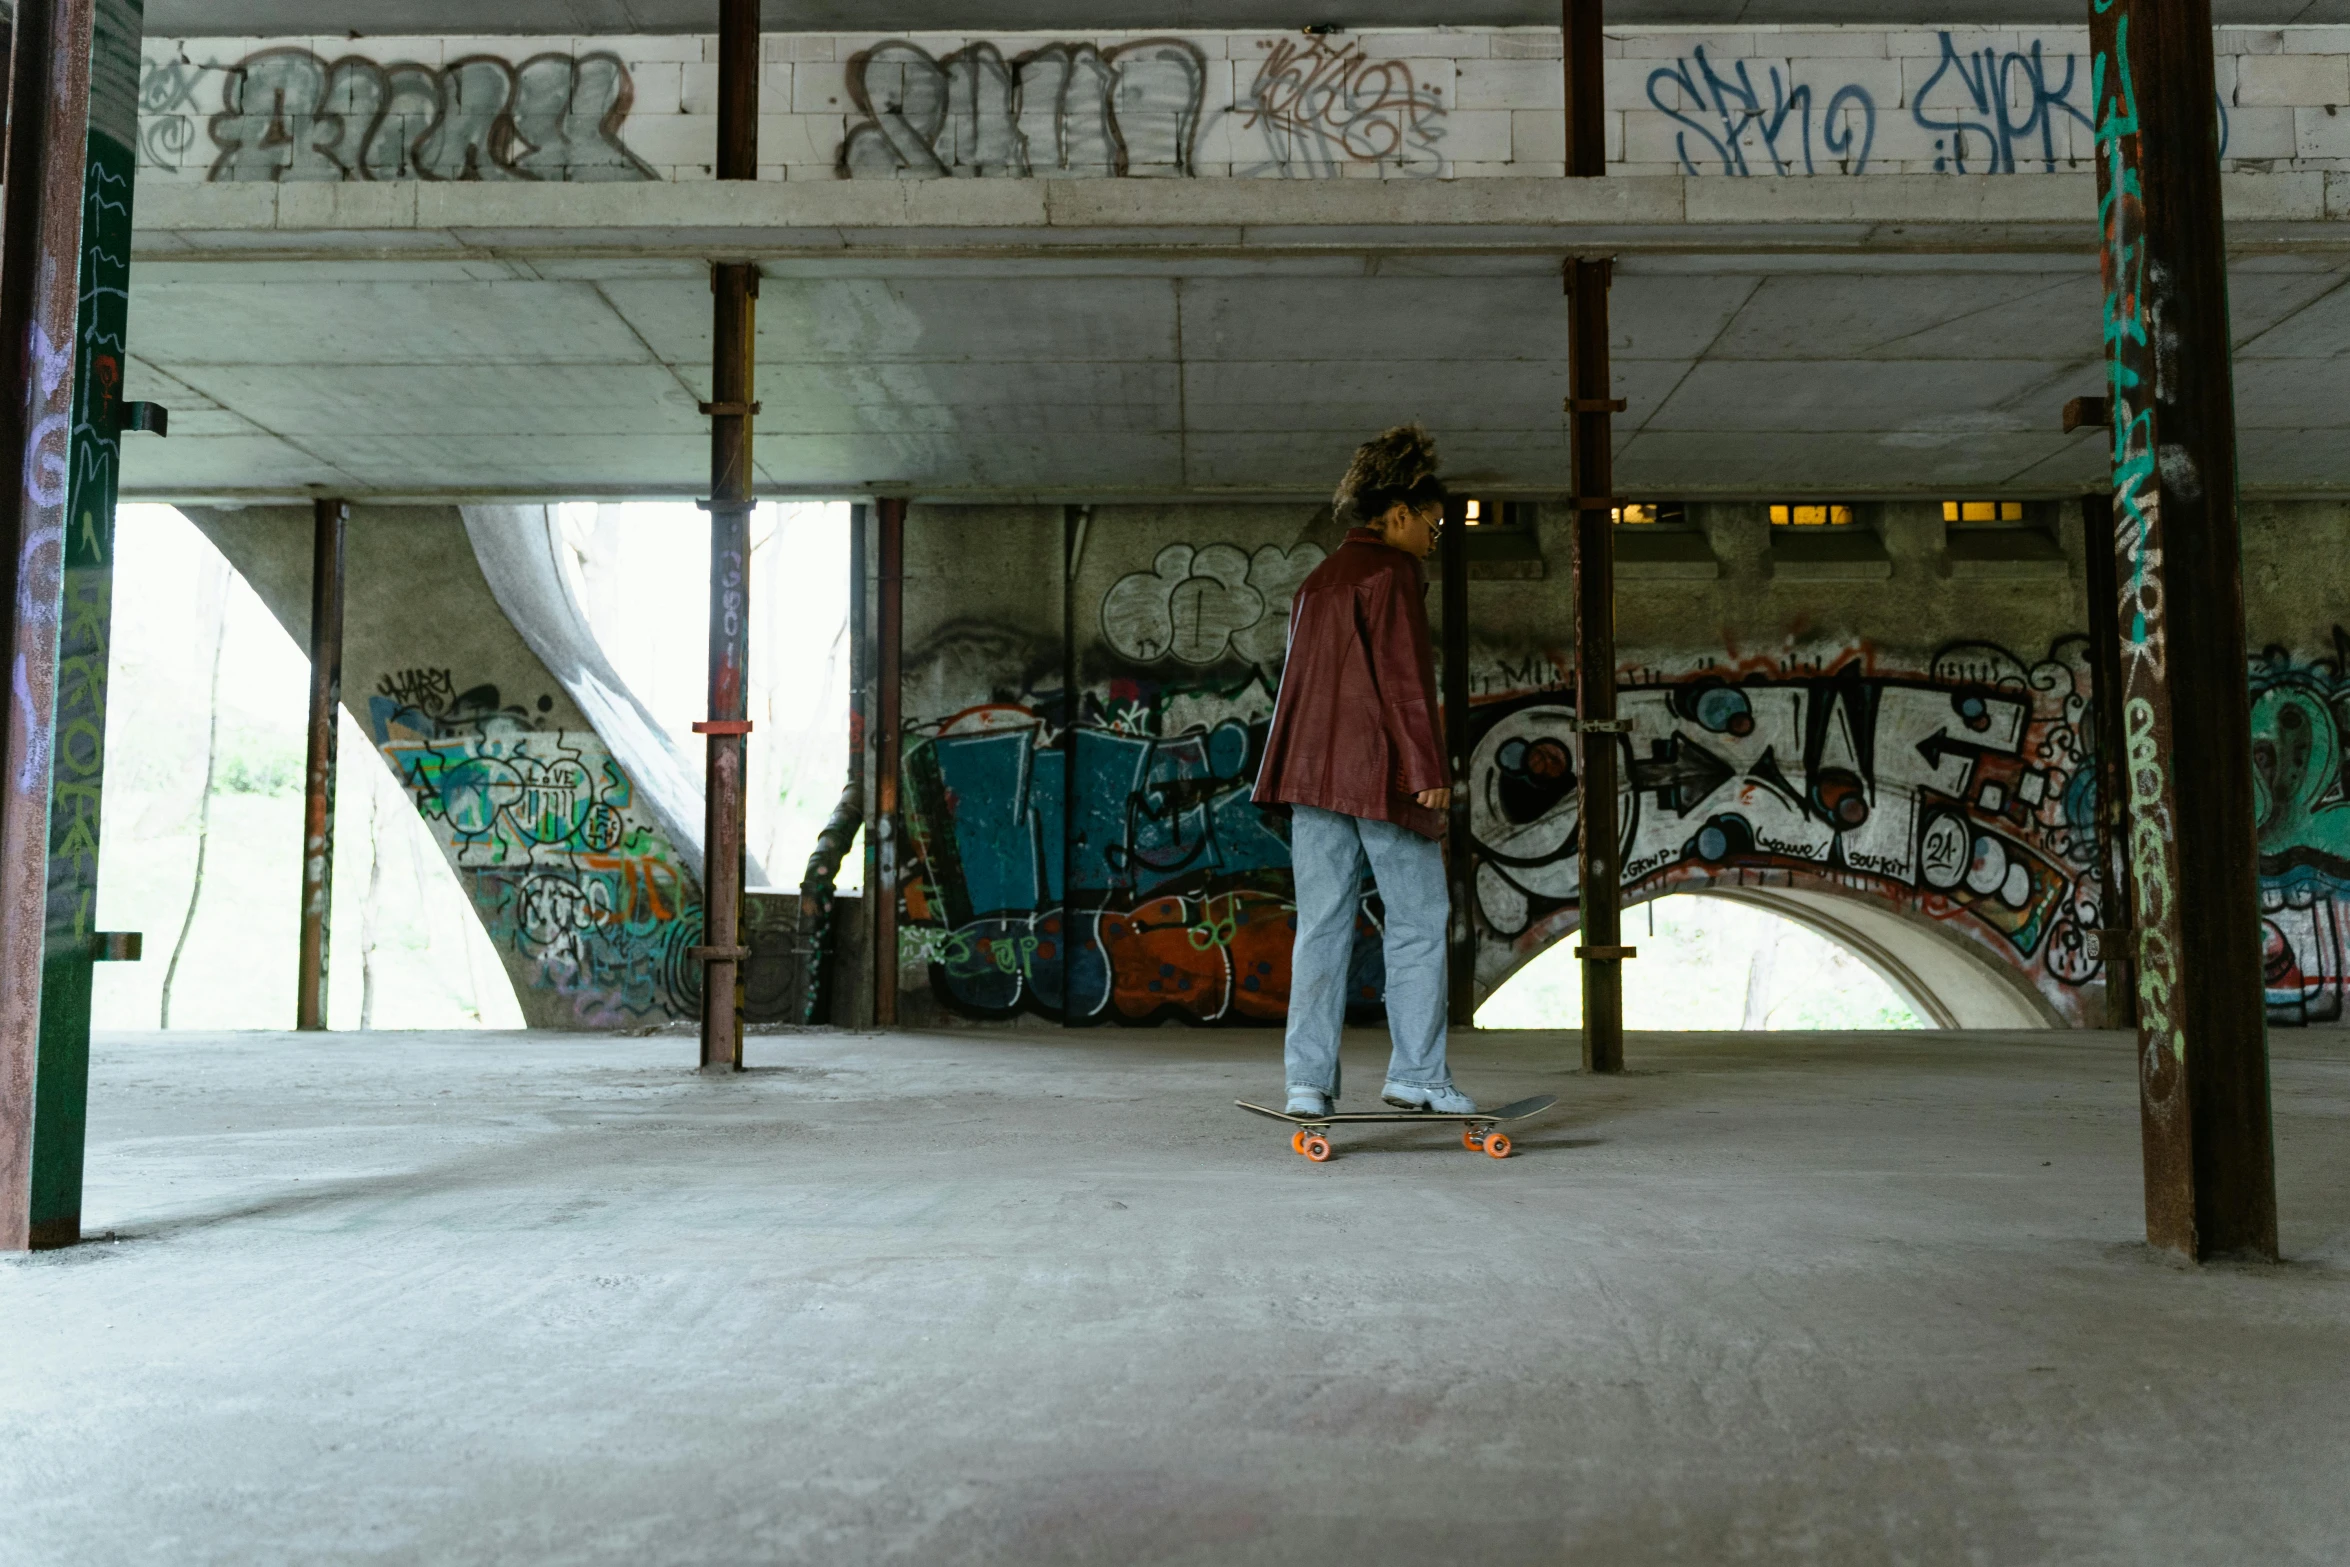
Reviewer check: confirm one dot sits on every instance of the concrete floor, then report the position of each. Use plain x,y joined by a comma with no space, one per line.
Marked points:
1041,1299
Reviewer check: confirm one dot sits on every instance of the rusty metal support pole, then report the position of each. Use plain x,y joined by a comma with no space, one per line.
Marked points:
2105,667
734,286
1590,421
74,949
889,622
1461,933
329,520
2178,565
40,295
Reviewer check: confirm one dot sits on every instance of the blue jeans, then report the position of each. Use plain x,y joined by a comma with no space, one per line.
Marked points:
1328,851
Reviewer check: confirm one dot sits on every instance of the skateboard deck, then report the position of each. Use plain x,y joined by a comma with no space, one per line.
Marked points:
1478,1132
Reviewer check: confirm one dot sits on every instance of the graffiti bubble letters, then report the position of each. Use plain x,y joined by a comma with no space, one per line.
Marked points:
287,114
1320,108
1780,133
1203,606
1067,110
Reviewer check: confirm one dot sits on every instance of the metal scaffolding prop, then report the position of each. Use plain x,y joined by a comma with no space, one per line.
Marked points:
882,860
1460,952
329,521
1591,405
40,253
734,286
2178,570
72,948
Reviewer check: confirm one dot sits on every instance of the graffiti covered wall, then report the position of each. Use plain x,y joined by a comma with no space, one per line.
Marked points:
1099,860
1958,789
1442,103
584,873
588,903
2301,794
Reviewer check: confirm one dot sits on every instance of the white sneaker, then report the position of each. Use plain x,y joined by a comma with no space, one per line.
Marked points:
1442,1098
1307,1101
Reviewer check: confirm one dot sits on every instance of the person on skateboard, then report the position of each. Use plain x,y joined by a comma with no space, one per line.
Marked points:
1354,756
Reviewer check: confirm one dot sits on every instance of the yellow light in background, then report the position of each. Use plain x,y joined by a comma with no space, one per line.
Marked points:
1476,513
1982,511
1636,513
1811,516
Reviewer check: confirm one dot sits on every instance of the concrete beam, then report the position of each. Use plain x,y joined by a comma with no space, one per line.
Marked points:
264,18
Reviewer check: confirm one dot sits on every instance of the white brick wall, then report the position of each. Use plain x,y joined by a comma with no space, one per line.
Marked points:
1486,101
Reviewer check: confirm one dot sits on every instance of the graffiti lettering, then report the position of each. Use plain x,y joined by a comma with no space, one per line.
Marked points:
1202,606
1964,795
1320,108
1782,132
1988,111
1065,110
288,114
1991,84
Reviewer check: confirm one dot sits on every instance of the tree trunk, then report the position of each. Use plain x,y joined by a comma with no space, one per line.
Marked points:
1761,967
217,593
371,910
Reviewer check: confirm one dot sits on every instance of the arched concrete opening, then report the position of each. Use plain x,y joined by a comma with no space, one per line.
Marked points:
1939,974
1942,977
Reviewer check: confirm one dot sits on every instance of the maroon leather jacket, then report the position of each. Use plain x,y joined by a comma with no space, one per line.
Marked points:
1354,729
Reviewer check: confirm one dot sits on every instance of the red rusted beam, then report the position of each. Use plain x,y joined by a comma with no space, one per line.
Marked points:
2179,597
734,286
40,293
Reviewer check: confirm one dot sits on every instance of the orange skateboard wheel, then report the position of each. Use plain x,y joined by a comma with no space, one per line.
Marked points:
1317,1149
1472,1139
1497,1145
1297,1141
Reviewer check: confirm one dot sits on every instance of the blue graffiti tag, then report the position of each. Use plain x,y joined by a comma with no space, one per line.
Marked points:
1986,76
1999,112
1738,105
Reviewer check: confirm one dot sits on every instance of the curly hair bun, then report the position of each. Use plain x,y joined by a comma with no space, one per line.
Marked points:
1395,462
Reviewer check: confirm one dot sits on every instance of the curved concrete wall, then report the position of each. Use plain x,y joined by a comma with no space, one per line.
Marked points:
588,882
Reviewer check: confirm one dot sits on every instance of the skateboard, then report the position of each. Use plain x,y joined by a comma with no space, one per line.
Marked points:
1478,1133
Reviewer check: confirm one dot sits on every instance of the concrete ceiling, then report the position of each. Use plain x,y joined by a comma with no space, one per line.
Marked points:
1082,379
241,18
1105,339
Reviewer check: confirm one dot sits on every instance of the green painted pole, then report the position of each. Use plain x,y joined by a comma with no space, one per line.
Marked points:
71,943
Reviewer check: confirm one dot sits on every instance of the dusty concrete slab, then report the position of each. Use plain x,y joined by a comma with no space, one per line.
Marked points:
1043,1298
